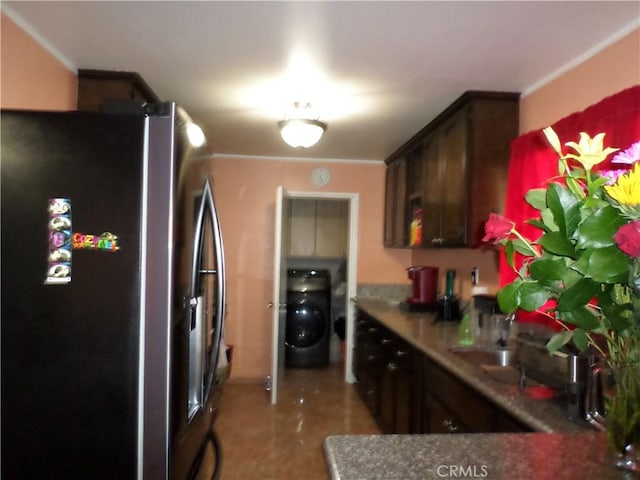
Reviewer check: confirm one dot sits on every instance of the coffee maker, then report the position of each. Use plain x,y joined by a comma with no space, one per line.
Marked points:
424,288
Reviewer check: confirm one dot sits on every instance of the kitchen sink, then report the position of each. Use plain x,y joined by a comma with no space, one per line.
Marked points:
485,356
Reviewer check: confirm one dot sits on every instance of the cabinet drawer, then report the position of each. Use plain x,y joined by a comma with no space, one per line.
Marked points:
441,420
470,409
397,352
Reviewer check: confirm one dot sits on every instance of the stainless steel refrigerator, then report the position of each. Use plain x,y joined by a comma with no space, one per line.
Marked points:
113,296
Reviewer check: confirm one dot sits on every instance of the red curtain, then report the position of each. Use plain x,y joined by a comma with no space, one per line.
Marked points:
533,161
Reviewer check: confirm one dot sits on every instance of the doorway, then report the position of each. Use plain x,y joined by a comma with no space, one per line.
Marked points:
320,231
317,253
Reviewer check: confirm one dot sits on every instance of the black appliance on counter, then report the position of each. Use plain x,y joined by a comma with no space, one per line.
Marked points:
113,297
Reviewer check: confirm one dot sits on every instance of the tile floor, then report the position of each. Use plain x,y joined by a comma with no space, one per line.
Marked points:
261,441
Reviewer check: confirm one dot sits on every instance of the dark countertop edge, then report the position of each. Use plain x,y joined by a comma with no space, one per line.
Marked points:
462,369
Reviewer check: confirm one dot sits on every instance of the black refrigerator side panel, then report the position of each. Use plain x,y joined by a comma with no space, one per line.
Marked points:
70,352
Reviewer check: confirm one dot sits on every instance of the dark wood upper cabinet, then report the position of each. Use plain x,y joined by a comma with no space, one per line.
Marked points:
96,88
457,172
395,221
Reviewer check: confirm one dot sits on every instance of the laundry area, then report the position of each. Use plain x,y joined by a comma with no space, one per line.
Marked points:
317,249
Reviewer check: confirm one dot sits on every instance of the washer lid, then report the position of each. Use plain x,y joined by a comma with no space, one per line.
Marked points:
308,280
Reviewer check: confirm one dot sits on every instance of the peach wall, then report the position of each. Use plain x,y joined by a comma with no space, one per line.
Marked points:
245,191
611,70
462,261
31,78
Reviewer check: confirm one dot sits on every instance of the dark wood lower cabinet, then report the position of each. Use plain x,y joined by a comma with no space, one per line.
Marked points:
397,389
454,407
407,392
367,364
438,419
384,367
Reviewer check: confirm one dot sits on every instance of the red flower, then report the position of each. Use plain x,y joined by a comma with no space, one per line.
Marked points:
628,238
497,228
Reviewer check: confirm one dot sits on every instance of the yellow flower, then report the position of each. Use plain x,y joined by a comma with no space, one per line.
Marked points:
626,190
552,138
590,151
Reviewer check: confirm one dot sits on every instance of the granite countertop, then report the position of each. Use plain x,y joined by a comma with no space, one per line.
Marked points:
523,456
435,341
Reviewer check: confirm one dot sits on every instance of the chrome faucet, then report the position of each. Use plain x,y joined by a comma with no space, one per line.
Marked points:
504,326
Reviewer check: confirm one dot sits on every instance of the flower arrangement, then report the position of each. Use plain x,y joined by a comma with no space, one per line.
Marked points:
583,271
587,259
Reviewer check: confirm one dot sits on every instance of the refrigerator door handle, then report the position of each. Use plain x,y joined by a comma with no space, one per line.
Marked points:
220,284
198,389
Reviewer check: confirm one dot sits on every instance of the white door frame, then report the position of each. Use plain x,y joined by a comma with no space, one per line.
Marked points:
352,265
279,302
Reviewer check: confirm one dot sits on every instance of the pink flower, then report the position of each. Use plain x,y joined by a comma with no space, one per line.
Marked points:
612,175
628,238
628,156
497,228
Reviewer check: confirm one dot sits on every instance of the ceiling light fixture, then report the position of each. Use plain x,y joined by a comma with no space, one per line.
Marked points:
195,135
300,131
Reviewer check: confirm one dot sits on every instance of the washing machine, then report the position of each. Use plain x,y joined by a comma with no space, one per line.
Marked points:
308,327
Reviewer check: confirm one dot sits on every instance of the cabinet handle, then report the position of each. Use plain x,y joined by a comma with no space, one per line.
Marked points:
385,341
392,366
450,425
372,330
401,353
370,358
437,241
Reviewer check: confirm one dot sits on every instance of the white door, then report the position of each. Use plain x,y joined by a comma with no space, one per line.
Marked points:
279,313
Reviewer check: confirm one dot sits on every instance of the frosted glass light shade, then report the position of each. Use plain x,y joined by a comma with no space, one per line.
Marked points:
301,132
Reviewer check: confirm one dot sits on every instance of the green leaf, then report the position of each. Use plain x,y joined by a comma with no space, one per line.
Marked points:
536,197
538,224
565,208
575,187
619,323
596,184
593,203
509,253
549,222
604,265
580,339
508,296
577,295
571,277
597,230
532,296
522,248
557,243
558,340
580,317
617,312
548,271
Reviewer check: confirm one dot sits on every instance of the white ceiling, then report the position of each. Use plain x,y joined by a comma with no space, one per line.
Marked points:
376,72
